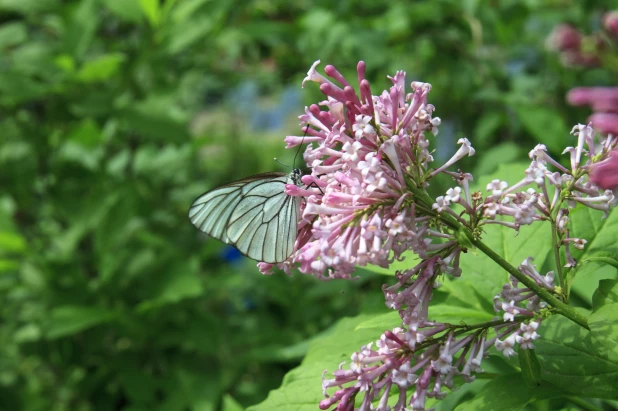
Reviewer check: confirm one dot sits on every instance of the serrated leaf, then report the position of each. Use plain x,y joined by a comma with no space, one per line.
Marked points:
509,393
482,273
601,257
572,360
301,387
603,325
602,237
607,293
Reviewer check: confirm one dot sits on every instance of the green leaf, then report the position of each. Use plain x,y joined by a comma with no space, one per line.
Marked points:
509,392
28,333
493,157
462,305
530,367
484,274
129,10
410,260
86,134
301,387
152,11
100,68
180,283
65,62
152,120
197,392
182,36
607,293
575,361
186,9
12,34
8,265
82,28
16,89
12,242
28,6
230,404
388,321
604,329
599,253
487,125
69,320
546,125
601,257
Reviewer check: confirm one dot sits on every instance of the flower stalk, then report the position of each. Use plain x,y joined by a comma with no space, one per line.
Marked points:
366,202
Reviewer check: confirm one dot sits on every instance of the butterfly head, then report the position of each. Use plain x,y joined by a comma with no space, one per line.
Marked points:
296,176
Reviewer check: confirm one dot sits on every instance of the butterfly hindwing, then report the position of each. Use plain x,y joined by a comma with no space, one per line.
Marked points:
253,214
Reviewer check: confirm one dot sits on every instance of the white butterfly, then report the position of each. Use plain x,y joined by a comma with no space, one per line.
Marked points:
253,214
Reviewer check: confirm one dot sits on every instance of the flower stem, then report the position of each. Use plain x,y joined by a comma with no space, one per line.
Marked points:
556,247
543,293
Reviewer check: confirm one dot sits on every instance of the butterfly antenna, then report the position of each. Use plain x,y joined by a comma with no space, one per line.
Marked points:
285,165
301,144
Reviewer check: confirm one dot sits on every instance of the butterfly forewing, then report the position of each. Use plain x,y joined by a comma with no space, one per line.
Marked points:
253,214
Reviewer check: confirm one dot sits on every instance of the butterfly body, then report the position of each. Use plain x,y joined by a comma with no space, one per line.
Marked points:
253,214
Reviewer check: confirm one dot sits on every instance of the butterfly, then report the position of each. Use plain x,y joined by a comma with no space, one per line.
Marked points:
254,214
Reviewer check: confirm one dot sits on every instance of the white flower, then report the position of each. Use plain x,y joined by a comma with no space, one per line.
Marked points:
510,311
362,127
453,194
441,204
403,377
506,346
497,187
313,75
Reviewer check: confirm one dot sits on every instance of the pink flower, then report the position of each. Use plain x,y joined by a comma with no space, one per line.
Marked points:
366,202
610,22
363,151
564,37
568,42
603,101
605,173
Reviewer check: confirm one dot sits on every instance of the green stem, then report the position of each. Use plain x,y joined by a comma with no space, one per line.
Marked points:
543,293
556,247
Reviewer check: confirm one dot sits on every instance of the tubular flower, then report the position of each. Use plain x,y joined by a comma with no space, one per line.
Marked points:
364,152
366,203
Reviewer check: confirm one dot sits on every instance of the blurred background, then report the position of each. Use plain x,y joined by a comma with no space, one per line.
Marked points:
116,114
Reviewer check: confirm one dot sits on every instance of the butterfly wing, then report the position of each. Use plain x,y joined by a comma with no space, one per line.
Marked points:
253,214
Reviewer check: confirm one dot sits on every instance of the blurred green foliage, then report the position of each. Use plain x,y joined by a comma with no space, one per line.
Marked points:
116,114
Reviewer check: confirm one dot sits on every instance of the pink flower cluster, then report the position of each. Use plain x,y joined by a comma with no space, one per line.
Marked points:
366,203
394,365
594,50
364,152
590,181
578,49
